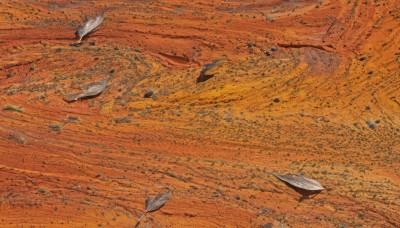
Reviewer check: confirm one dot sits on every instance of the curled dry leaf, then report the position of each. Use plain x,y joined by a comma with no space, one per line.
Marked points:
301,182
210,70
89,90
90,25
155,203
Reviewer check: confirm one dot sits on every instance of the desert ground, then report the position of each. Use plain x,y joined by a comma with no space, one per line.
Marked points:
309,87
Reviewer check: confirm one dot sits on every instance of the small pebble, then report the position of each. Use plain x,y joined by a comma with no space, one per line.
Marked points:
371,124
148,94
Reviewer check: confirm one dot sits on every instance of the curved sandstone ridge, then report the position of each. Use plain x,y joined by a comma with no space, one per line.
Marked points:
310,87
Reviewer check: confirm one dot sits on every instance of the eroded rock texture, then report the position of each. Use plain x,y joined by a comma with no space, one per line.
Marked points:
300,81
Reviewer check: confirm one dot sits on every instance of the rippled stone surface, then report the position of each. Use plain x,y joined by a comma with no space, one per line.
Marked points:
214,144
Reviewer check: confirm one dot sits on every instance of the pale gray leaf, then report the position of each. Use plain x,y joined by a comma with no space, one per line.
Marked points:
89,90
148,201
300,182
207,70
210,70
153,204
72,97
95,88
90,25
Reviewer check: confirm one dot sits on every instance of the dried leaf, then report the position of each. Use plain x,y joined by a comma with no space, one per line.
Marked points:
301,182
72,97
95,88
210,70
90,90
90,25
153,204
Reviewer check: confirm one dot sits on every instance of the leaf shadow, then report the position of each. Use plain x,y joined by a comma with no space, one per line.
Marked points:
305,194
